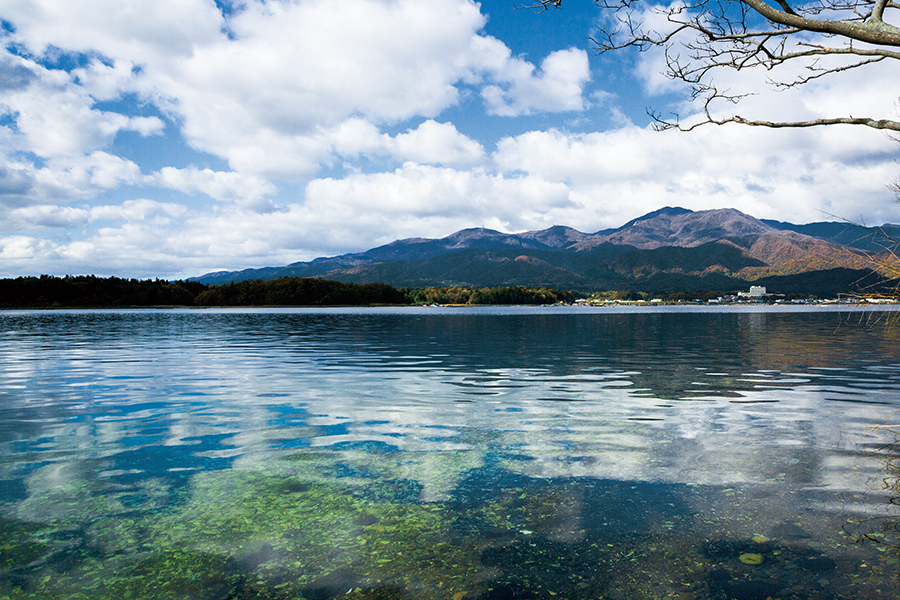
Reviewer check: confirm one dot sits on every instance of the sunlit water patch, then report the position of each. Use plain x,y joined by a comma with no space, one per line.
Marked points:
449,453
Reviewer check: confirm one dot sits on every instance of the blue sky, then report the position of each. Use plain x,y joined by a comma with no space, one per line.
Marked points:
170,138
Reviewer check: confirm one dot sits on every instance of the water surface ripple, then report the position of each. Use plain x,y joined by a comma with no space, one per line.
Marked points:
449,453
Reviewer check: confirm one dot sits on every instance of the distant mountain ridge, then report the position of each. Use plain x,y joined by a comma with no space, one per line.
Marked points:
671,248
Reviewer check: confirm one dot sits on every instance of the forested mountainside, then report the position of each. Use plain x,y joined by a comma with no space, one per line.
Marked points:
672,248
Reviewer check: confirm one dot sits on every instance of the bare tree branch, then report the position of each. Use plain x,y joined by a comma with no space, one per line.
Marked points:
873,30
825,37
868,122
817,73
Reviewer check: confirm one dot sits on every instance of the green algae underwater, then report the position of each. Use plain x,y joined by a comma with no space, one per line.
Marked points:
291,534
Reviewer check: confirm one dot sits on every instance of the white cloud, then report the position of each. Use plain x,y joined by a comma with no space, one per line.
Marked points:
48,216
65,179
106,171
431,142
799,175
54,121
104,81
139,29
262,96
83,176
145,126
556,155
16,181
437,143
447,199
23,248
160,213
558,86
246,190
261,100
322,62
54,115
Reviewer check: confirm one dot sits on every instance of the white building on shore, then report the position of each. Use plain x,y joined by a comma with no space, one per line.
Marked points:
756,291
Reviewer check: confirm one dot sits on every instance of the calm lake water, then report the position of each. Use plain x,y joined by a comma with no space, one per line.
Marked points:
454,454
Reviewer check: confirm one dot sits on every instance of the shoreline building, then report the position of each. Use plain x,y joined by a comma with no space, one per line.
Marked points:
756,292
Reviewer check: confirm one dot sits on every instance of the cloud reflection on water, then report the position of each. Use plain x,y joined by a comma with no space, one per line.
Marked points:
702,398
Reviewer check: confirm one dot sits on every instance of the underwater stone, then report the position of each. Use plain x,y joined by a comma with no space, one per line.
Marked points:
751,558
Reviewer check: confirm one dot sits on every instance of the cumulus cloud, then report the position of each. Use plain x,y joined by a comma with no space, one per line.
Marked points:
55,116
453,198
160,213
259,88
247,190
769,174
437,143
322,62
431,142
51,216
557,86
15,181
64,179
22,248
138,29
83,176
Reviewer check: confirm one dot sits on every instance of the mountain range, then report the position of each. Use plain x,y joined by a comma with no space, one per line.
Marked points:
671,249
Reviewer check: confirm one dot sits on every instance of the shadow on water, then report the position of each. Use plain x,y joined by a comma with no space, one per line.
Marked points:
883,531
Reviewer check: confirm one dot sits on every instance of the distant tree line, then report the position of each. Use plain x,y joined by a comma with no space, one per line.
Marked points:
493,295
112,292
297,291
90,291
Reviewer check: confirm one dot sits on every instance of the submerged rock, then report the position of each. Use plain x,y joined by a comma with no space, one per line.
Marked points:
751,558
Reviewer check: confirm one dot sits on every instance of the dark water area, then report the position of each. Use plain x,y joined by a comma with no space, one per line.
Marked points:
464,454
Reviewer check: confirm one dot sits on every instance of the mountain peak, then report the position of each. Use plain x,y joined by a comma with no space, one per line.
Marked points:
474,233
686,228
667,211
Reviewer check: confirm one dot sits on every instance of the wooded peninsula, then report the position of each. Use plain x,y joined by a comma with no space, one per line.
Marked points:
112,292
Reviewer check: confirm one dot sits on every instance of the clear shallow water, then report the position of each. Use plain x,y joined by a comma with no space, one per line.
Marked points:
448,453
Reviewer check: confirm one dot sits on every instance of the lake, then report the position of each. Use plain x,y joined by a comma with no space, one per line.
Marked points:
450,453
